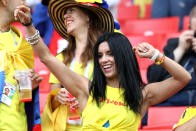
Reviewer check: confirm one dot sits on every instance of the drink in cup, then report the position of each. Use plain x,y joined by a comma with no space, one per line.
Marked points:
25,86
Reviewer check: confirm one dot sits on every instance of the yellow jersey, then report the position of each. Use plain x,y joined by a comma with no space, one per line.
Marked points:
61,113
188,114
17,54
111,115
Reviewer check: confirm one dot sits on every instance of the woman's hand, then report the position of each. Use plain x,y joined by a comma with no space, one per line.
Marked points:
74,104
35,78
23,13
61,96
194,45
185,40
144,50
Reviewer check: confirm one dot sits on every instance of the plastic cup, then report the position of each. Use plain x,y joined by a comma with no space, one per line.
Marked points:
73,114
25,85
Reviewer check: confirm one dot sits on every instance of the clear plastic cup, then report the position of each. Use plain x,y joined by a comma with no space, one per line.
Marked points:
25,85
73,114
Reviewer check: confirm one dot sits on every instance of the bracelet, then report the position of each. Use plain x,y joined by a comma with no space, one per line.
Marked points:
161,60
33,40
33,37
156,54
28,24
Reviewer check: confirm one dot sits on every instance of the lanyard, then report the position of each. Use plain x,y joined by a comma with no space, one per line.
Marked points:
186,65
86,69
14,38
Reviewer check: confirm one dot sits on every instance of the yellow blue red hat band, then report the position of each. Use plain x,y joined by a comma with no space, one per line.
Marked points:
88,4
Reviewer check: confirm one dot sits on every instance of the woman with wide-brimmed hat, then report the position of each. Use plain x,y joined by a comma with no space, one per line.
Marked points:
80,22
116,99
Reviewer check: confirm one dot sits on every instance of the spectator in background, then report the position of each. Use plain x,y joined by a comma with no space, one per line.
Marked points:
33,3
113,7
42,21
167,8
183,51
15,53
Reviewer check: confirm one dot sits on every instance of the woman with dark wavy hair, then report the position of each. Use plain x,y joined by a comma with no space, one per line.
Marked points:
127,75
116,98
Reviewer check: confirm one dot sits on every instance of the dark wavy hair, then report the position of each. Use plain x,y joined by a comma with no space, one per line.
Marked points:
127,71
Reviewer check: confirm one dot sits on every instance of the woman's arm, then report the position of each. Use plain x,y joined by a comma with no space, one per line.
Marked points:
160,91
157,92
76,84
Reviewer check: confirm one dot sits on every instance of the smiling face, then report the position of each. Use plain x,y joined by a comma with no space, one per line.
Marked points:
75,19
106,61
6,91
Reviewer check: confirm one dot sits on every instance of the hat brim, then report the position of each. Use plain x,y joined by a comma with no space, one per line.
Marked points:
57,9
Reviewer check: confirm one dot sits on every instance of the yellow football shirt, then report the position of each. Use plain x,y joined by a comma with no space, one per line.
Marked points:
188,114
12,118
111,115
77,67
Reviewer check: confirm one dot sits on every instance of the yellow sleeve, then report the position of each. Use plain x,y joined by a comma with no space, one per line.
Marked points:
52,78
188,114
52,120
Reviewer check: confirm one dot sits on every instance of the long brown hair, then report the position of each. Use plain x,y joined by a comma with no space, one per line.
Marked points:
192,14
94,32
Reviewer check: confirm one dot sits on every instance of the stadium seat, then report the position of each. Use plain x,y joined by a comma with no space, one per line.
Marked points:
186,23
163,117
148,11
151,26
127,13
169,36
155,41
41,69
144,75
123,3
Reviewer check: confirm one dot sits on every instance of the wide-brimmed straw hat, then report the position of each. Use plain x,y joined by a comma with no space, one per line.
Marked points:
57,9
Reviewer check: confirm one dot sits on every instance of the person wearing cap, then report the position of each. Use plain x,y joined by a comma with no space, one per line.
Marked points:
183,51
15,54
80,22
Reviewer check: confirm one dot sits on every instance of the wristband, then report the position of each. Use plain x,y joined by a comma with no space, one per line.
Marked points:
156,54
28,24
161,60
